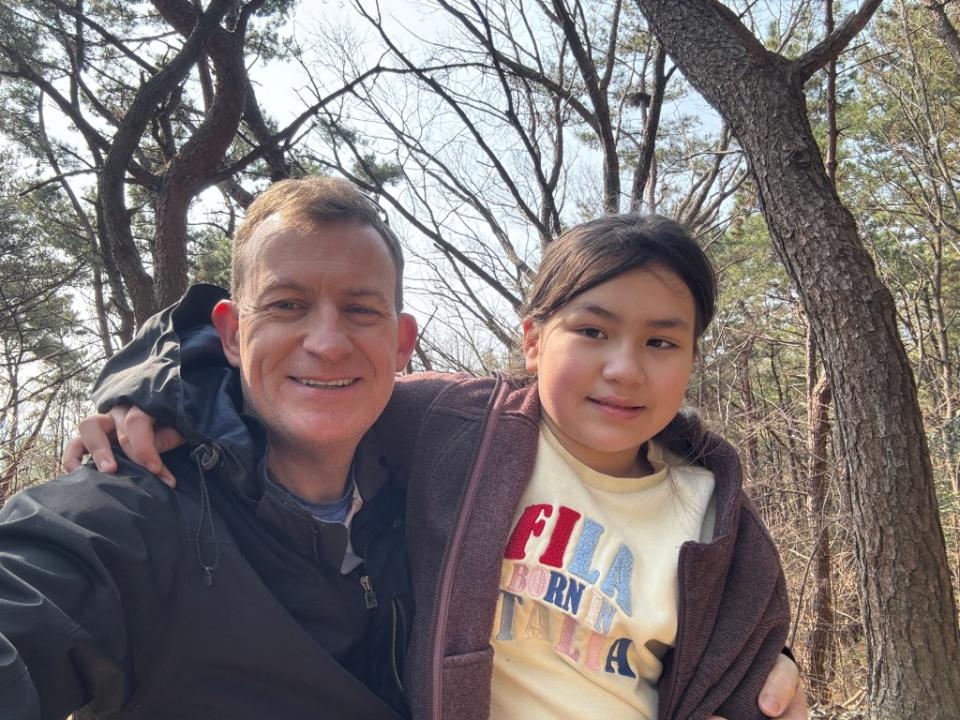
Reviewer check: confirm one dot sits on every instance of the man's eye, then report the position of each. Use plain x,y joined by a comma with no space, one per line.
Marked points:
285,305
362,311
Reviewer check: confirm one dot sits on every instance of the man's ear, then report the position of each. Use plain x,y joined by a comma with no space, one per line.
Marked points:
531,345
226,319
406,339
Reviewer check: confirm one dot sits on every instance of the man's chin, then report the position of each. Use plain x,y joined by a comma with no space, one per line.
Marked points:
324,433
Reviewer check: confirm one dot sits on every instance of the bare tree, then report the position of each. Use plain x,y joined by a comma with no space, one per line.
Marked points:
913,643
164,108
524,93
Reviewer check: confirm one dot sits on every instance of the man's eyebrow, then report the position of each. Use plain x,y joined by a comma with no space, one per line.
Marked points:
357,292
364,292
272,286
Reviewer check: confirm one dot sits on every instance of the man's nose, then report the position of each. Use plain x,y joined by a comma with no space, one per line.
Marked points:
327,336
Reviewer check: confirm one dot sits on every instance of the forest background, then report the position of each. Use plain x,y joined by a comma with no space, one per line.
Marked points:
812,146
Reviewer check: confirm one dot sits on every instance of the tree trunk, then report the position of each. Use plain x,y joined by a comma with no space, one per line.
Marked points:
913,645
111,189
749,414
820,644
944,28
199,156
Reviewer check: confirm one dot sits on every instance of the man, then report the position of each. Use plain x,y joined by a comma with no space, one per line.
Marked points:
272,583
316,332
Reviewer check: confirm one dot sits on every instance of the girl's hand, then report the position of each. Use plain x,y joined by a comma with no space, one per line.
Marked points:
782,695
138,437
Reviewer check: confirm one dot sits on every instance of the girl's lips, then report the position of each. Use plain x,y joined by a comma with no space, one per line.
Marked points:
615,402
617,407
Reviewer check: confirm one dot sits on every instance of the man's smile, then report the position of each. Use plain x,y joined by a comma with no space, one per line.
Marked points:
335,383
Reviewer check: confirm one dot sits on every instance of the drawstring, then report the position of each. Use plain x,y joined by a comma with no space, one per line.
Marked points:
206,456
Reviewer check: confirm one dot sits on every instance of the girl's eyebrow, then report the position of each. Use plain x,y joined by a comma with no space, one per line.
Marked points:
667,323
599,310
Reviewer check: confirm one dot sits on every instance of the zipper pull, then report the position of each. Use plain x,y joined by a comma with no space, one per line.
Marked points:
369,596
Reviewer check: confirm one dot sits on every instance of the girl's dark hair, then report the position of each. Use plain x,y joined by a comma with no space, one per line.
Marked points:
593,252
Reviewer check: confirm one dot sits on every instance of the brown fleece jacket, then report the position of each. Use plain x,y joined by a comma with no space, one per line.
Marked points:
468,446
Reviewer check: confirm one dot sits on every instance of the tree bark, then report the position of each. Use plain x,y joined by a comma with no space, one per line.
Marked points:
913,645
944,29
749,414
820,644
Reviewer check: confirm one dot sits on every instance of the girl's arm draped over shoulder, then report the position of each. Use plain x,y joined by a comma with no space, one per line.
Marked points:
134,430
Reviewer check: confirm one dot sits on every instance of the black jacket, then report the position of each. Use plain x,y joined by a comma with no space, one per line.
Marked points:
222,599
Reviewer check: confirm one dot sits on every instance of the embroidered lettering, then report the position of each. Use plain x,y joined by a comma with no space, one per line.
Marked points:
593,651
538,624
531,522
565,644
508,603
617,581
518,580
537,584
560,537
618,655
554,592
583,553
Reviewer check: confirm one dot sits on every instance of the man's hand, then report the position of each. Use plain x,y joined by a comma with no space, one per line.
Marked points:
782,695
135,430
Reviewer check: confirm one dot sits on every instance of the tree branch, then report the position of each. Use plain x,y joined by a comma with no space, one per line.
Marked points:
111,193
641,176
831,46
104,33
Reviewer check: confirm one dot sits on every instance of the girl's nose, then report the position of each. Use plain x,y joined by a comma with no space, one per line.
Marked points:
625,367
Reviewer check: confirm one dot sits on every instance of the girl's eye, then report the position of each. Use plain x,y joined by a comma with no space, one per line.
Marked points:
661,343
591,332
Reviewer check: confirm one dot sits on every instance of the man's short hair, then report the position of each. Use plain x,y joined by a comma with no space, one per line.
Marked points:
317,200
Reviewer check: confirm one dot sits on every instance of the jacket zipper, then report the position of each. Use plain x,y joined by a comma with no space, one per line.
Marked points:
369,596
453,550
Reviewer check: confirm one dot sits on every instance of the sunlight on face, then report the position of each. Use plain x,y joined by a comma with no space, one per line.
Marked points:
613,365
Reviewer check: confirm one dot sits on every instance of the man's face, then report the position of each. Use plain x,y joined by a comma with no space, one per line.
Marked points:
316,333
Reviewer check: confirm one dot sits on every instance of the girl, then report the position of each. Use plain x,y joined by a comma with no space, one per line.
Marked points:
578,547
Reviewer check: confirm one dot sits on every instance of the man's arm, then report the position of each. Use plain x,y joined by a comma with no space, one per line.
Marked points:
75,574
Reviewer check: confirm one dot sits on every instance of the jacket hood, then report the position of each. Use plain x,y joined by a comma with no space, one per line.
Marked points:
175,370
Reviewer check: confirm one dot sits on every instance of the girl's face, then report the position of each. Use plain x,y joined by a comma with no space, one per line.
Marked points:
613,365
